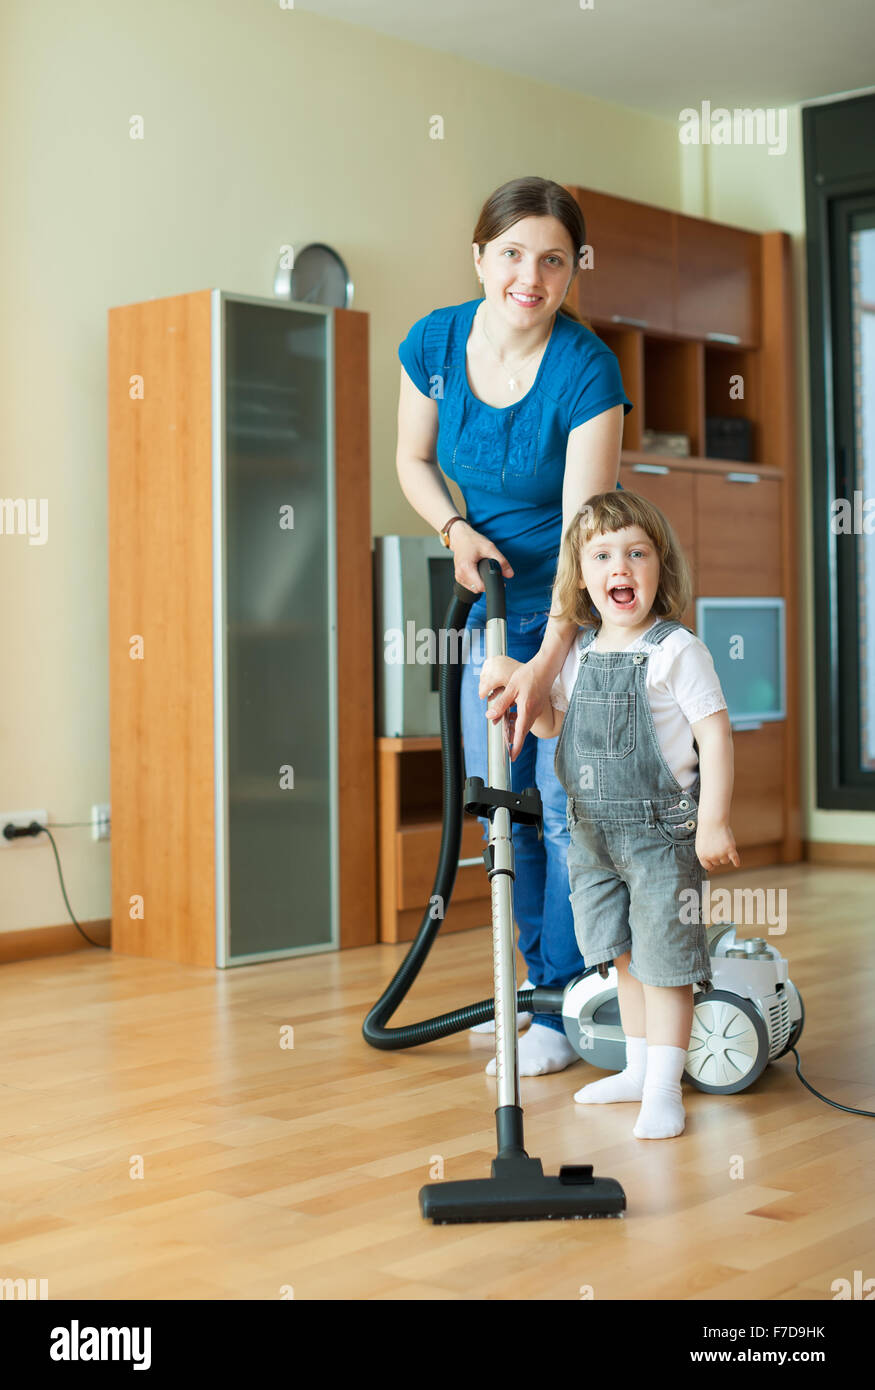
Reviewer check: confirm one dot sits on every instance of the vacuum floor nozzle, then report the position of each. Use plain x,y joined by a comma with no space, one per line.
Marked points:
519,1190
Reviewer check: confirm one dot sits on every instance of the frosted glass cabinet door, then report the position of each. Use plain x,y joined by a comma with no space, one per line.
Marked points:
278,629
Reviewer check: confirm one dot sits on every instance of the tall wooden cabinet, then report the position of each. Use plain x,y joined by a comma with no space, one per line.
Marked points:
241,643
692,308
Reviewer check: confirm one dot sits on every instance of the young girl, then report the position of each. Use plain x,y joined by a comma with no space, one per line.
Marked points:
645,756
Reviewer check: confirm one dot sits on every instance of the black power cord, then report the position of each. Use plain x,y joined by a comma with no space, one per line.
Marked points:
850,1108
20,832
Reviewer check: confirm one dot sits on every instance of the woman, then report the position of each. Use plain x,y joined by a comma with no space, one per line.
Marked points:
522,406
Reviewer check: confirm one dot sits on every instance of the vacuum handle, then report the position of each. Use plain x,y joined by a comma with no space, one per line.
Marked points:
493,582
466,596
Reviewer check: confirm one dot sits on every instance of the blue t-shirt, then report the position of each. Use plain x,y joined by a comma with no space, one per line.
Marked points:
509,462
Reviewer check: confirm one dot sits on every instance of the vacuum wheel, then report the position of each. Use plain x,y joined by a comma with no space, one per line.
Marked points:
796,1030
729,1044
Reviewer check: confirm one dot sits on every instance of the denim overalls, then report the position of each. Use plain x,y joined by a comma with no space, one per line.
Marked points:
632,825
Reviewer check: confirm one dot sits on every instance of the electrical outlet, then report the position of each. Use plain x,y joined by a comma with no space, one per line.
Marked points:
22,819
100,822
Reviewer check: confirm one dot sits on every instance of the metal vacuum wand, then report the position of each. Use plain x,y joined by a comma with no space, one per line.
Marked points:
507,1067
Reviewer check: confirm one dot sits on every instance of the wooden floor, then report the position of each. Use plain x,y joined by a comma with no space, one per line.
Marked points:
266,1168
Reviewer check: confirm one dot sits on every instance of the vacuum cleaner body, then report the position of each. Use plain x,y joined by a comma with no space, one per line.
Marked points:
751,1015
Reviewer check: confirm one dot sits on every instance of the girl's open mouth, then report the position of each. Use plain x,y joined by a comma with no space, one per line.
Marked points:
622,596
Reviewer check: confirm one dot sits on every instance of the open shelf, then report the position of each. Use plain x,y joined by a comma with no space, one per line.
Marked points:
677,383
733,389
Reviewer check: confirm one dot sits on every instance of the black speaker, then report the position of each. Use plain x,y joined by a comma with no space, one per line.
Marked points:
728,437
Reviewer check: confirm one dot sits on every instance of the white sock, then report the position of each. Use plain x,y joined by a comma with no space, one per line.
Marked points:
623,1085
521,1019
541,1050
662,1111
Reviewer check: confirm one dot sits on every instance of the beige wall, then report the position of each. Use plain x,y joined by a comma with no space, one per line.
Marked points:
262,126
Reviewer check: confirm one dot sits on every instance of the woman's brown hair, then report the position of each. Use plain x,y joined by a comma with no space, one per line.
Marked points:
534,197
599,515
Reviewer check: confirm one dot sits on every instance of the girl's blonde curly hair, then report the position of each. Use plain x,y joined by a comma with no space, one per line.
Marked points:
600,515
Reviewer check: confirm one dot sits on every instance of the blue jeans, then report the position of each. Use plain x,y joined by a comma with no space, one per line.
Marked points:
541,891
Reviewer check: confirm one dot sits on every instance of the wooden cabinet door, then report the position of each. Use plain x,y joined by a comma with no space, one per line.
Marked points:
418,850
757,811
738,526
718,281
632,277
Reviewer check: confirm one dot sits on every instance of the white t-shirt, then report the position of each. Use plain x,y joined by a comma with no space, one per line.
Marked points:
682,687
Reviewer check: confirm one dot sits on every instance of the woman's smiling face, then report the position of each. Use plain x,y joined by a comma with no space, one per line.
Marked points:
527,269
621,572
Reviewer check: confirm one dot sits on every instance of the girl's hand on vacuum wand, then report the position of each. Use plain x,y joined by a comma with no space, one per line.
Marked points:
469,547
528,687
494,675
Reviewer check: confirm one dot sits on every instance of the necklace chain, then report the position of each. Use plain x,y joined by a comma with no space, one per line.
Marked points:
511,381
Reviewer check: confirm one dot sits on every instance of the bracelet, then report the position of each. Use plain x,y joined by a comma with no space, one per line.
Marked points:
445,530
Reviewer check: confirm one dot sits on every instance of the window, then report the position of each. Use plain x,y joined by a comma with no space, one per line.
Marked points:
839,145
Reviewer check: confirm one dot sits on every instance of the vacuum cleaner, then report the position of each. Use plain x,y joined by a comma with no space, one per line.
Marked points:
748,1015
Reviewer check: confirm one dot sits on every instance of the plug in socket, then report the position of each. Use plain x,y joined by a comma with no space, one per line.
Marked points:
21,819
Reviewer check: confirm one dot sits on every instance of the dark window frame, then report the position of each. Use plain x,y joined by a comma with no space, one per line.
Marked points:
839,165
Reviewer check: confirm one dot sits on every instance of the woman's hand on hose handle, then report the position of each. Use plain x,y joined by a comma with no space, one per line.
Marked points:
528,687
469,547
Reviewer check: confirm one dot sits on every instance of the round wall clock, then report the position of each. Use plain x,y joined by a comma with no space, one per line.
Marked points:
317,275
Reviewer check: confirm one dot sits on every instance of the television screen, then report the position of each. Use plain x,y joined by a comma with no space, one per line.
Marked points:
413,584
745,637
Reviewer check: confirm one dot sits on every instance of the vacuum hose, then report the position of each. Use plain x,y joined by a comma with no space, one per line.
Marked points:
541,999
